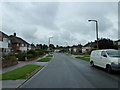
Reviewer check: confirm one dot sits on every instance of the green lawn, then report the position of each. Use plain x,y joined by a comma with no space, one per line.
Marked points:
84,57
50,56
67,54
44,59
19,73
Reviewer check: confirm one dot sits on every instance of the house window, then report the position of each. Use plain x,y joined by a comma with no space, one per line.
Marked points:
9,41
22,45
17,44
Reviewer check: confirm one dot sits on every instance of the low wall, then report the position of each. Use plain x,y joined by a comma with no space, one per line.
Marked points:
9,63
30,59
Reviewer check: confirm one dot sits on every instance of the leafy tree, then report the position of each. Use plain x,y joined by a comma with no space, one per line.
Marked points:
57,46
105,44
51,46
44,47
39,46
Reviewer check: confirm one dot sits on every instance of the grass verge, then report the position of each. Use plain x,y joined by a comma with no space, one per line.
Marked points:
50,56
68,54
44,59
19,73
83,58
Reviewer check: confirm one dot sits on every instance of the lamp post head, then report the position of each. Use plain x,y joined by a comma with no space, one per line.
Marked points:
89,20
51,37
92,20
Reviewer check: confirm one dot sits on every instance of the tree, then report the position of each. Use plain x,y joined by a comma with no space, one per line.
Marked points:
57,46
44,47
51,46
39,46
106,44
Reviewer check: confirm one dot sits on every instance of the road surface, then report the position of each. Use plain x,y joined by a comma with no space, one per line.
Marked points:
67,72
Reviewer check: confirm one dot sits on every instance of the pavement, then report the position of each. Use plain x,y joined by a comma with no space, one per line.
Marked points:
68,72
16,83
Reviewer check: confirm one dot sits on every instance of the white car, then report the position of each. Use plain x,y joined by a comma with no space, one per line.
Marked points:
106,58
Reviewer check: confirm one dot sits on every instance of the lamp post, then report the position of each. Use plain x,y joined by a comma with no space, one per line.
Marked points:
96,30
49,43
66,45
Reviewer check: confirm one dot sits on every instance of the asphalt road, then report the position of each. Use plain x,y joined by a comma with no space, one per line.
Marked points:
67,72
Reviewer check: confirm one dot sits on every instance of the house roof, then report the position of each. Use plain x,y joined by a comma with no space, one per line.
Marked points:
19,40
90,44
77,46
3,35
118,40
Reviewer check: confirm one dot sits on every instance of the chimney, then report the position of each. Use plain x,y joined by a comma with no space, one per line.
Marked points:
14,34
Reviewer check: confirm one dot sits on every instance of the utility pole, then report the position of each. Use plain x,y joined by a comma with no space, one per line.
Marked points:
49,43
96,30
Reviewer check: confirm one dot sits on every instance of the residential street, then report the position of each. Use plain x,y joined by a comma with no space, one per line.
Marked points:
67,72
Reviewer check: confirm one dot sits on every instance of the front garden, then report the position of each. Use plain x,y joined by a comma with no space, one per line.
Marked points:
28,56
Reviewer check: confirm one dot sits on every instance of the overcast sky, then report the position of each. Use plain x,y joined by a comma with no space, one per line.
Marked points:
65,21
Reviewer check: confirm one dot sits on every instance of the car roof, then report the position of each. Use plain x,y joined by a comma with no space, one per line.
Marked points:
105,50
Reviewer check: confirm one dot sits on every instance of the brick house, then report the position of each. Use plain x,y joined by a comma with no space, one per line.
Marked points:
18,44
77,48
88,47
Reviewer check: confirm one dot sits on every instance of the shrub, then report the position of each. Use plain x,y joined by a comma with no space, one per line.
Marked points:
30,56
31,52
21,56
9,58
36,53
46,51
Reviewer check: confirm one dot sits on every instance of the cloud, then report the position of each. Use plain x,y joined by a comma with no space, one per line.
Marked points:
65,21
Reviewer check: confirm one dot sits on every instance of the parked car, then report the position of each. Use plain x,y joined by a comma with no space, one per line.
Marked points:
106,58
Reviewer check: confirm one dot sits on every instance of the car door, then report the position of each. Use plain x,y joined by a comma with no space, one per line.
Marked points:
103,59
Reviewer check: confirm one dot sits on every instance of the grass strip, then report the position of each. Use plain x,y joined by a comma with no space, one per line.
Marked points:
44,59
50,56
83,58
19,73
67,54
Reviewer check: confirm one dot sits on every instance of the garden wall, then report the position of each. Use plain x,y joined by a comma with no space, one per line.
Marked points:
8,63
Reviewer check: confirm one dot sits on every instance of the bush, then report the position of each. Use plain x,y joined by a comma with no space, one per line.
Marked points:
46,51
31,52
21,56
30,56
9,58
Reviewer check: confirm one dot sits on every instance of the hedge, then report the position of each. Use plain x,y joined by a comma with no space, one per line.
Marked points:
9,58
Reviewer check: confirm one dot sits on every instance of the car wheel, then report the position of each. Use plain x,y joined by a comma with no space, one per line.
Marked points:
109,69
92,64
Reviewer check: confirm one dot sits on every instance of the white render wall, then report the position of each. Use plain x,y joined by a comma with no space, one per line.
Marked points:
23,48
119,43
74,49
4,43
84,49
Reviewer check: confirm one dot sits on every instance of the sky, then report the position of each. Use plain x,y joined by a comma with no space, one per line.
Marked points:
67,22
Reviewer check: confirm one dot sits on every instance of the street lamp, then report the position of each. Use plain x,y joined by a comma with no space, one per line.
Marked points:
49,43
96,30
66,45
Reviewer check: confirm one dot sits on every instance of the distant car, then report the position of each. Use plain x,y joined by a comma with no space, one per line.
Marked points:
106,58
